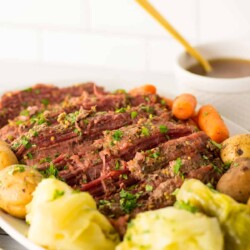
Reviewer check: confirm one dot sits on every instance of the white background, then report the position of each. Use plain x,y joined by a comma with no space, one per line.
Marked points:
105,40
114,35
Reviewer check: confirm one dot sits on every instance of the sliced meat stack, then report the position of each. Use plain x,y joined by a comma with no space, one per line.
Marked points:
127,150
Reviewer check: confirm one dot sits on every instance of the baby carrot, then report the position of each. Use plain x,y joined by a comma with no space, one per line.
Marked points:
210,121
145,89
184,106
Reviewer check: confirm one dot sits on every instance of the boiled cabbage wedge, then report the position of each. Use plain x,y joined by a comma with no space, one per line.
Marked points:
172,229
234,217
61,218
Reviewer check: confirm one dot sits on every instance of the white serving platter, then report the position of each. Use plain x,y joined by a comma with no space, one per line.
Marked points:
18,229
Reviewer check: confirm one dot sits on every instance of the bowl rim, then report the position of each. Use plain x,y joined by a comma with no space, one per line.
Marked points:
212,84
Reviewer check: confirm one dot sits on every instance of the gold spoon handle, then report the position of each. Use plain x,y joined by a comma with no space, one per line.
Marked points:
193,52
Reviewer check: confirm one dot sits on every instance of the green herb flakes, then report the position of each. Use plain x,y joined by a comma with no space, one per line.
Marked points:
217,169
128,201
25,112
124,176
57,194
16,168
103,203
177,166
28,90
117,135
120,110
154,155
22,141
134,114
30,156
38,119
186,206
120,91
46,159
51,171
148,109
163,129
45,102
218,145
72,117
35,133
117,165
145,131
148,188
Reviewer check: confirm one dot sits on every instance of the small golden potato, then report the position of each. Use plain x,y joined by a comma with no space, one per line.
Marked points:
236,181
17,183
5,144
235,147
7,157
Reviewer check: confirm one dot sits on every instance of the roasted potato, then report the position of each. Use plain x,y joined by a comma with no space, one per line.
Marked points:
7,157
5,144
236,181
17,183
235,147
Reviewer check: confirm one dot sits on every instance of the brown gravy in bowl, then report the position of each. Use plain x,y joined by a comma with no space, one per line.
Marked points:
224,68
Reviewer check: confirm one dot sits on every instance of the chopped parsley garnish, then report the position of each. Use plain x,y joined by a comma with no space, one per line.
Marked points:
218,145
103,203
148,188
117,165
209,185
45,102
120,91
29,155
163,129
38,119
25,112
134,114
16,168
22,141
19,122
78,131
51,171
25,142
28,90
117,135
125,176
204,157
76,191
57,194
37,91
46,159
186,206
35,134
120,110
72,117
148,109
154,155
145,131
227,165
85,121
128,201
177,166
217,169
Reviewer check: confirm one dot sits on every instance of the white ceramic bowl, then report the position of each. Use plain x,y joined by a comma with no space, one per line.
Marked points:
230,96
